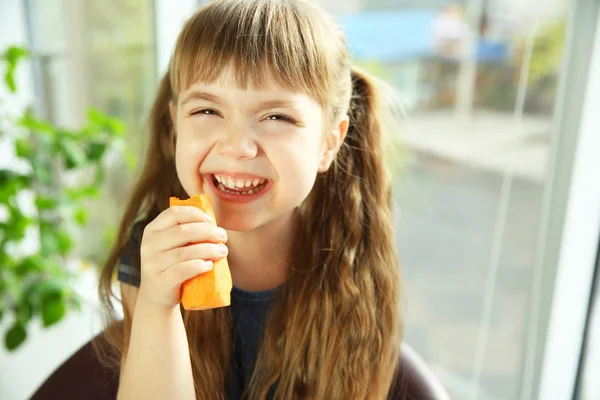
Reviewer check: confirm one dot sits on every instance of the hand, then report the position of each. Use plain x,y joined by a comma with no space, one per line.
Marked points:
180,243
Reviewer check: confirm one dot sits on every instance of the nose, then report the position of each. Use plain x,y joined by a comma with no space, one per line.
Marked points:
237,145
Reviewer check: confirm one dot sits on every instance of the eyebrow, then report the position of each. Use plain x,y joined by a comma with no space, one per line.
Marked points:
263,105
268,104
200,95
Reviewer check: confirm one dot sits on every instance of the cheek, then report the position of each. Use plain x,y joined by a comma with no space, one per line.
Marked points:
297,164
193,139
190,150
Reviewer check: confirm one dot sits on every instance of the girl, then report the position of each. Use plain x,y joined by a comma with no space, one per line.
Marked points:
262,110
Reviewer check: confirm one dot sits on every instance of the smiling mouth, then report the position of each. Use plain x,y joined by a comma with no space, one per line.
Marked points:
239,186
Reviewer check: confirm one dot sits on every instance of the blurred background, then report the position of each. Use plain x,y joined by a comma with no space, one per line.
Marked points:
498,198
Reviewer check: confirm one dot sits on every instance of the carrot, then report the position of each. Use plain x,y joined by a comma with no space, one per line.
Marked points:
213,288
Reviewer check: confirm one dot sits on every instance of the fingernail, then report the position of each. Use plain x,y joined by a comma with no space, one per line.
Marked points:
208,218
223,250
222,233
209,264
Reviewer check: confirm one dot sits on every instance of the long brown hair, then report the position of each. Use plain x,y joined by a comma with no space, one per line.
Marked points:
335,327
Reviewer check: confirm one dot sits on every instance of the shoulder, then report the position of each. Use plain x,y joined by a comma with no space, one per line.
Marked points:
129,260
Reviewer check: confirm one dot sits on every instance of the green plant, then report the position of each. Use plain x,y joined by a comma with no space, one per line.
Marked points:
38,284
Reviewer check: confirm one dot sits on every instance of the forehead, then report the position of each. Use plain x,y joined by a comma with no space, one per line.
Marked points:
228,79
268,87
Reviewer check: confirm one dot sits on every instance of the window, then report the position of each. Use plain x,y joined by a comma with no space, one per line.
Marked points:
479,85
98,54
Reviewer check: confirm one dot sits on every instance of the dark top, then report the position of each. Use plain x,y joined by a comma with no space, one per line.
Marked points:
248,315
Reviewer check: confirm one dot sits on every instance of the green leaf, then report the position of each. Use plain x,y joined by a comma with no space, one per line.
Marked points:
10,184
73,154
56,286
7,191
16,226
41,171
48,239
23,147
14,53
106,123
81,216
5,176
86,191
99,178
53,309
13,285
15,336
9,79
45,203
66,135
2,306
32,265
6,263
12,56
95,150
34,124
24,312
65,243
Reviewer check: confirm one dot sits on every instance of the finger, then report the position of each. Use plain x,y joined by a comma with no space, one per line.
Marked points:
184,234
177,215
201,251
181,272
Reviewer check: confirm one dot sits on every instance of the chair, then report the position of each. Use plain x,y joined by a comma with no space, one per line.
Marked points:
82,377
415,380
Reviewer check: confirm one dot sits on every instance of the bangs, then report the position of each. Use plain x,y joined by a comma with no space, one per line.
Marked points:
258,40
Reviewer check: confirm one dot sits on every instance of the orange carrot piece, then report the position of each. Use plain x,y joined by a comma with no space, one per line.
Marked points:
213,288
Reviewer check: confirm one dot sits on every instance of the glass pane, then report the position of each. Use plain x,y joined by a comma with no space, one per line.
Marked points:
98,54
479,83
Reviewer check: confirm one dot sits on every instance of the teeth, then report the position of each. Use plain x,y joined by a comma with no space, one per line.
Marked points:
238,183
226,189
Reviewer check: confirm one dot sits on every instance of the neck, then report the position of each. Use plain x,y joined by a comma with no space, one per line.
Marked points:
260,259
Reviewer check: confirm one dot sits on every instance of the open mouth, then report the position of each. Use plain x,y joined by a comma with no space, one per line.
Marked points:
239,186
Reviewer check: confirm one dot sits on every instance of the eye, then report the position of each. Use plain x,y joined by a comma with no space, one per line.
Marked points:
205,111
279,117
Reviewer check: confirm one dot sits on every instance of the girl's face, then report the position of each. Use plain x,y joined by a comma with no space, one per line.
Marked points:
255,152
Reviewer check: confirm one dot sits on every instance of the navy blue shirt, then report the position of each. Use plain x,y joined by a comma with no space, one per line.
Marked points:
248,315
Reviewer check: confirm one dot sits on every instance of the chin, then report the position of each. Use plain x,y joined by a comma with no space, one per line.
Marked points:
238,223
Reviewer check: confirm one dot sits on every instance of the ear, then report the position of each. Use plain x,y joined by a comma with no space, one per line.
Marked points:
333,142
